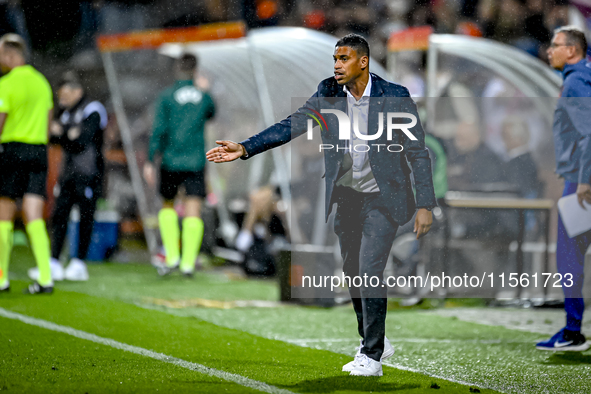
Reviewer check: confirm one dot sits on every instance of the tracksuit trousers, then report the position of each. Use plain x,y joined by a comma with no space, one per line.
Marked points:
570,259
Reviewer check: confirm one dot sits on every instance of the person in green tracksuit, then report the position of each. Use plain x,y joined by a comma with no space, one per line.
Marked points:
178,137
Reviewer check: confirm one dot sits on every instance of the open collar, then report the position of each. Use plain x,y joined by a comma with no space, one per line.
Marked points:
366,93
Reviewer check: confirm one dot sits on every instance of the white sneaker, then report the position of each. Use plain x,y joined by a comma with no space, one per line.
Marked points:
76,270
57,271
388,352
352,364
367,367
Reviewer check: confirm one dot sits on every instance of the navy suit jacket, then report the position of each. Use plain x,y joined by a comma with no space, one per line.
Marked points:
391,170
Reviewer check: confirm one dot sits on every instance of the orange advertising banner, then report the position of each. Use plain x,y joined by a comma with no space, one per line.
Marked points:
411,39
148,39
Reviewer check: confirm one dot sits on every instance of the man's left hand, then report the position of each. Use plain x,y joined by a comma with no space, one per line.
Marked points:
584,193
423,222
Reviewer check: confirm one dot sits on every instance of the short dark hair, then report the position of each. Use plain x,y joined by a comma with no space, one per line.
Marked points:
14,42
574,36
355,42
187,63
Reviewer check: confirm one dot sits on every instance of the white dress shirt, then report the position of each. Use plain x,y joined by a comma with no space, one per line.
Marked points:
359,177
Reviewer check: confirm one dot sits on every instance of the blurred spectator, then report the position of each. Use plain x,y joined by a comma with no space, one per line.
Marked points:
557,15
445,17
261,231
350,16
508,26
472,164
520,171
64,27
261,13
420,14
535,25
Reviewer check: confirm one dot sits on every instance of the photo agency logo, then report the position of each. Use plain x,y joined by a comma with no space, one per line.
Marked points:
362,141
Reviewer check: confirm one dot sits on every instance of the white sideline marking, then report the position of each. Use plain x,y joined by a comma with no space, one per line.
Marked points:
238,379
403,340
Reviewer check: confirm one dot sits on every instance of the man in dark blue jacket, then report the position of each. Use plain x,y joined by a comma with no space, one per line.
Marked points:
572,140
79,130
367,175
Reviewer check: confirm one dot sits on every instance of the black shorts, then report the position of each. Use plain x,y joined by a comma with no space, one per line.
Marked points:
23,170
194,182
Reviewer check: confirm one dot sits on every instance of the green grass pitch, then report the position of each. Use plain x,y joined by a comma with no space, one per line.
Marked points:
293,348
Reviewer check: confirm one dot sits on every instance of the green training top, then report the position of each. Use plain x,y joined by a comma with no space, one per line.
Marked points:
26,98
178,130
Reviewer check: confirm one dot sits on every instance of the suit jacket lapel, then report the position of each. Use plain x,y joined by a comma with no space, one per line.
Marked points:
376,105
341,105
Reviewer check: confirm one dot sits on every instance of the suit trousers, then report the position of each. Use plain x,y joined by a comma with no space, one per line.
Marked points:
83,194
366,232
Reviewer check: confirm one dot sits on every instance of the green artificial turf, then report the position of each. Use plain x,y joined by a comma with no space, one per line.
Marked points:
36,360
297,348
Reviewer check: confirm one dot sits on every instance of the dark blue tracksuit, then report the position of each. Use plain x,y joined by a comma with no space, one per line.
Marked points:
572,142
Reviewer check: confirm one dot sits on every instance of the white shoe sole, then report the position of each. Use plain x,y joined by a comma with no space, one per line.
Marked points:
580,348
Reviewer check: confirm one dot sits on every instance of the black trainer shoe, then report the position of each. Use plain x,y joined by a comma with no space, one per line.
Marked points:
36,288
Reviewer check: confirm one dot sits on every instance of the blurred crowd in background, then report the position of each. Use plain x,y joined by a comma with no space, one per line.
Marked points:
61,29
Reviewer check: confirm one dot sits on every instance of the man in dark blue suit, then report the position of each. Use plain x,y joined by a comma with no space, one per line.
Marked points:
367,175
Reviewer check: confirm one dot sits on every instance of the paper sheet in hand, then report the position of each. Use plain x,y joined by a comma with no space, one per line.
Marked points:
576,219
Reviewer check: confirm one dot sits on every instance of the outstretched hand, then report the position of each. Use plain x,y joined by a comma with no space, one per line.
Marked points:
227,151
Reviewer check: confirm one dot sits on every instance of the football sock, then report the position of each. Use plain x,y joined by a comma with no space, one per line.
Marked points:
40,245
192,238
5,248
170,233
